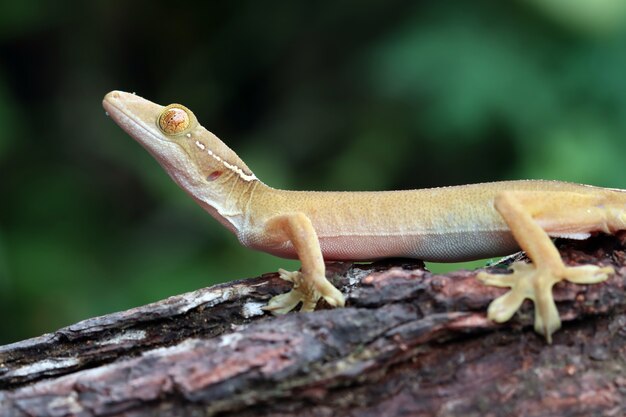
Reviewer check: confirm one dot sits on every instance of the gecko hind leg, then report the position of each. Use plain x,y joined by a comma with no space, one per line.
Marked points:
523,212
529,282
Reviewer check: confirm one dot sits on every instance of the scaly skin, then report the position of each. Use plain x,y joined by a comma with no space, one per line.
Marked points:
448,224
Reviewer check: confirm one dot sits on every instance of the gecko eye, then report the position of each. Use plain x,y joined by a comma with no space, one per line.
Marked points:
174,119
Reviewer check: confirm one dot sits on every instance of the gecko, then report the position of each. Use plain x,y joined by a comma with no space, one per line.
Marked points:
445,224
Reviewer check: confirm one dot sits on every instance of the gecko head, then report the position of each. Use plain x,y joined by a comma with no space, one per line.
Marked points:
187,151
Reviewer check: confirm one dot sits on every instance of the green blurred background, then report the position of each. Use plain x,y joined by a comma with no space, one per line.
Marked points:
344,95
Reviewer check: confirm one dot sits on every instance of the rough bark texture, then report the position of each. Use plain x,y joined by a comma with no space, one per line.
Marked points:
409,343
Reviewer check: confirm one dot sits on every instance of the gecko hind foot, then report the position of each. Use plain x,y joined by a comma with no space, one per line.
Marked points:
304,291
527,281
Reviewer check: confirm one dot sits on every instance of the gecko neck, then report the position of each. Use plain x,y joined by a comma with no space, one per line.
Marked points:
219,181
229,202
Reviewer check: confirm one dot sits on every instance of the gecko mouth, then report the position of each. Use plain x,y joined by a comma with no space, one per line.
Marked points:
116,104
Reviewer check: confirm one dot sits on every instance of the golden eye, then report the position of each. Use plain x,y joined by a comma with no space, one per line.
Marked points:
174,119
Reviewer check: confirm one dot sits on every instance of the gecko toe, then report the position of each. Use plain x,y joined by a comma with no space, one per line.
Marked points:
283,303
588,274
504,307
290,276
332,295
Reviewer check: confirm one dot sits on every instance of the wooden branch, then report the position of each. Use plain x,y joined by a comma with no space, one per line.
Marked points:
408,343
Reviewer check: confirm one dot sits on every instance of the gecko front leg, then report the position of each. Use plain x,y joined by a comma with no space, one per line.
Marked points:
523,212
310,283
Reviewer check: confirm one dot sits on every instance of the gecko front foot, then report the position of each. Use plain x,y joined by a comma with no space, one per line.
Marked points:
306,291
533,283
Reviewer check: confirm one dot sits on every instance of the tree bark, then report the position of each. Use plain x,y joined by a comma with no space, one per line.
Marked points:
408,343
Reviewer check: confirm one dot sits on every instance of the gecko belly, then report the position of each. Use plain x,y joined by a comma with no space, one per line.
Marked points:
446,247
436,247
